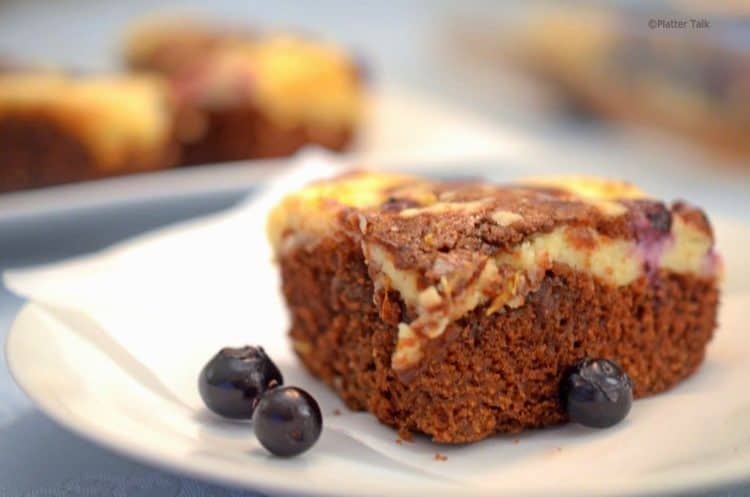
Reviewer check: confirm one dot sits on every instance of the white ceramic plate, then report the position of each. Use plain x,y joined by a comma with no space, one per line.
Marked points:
696,436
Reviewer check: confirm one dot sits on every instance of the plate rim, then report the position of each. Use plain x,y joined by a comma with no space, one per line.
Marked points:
153,185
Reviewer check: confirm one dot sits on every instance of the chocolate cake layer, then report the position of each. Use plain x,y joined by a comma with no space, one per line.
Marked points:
492,373
38,153
454,308
243,132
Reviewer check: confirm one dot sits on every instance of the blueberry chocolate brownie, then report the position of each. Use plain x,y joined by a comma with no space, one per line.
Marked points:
454,309
249,95
57,128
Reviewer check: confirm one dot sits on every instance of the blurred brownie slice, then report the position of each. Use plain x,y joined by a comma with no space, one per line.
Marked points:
269,99
244,95
56,128
696,84
453,309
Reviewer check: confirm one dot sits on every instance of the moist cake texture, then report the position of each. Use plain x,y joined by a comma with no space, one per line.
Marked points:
454,308
56,128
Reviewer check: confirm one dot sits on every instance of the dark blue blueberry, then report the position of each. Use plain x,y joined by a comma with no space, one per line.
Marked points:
597,393
287,421
231,383
659,218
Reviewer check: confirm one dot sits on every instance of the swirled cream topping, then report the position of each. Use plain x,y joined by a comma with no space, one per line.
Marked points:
448,248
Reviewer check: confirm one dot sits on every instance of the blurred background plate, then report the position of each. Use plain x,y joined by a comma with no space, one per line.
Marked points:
412,130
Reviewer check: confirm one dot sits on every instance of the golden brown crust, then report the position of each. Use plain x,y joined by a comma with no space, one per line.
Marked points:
489,373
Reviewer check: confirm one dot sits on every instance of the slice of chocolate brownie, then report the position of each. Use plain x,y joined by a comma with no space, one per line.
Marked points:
247,95
56,128
453,309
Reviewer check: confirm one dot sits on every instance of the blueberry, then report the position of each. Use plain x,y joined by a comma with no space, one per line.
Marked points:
660,219
287,421
597,393
231,383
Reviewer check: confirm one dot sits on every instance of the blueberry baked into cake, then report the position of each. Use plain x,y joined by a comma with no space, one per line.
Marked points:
455,309
249,95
